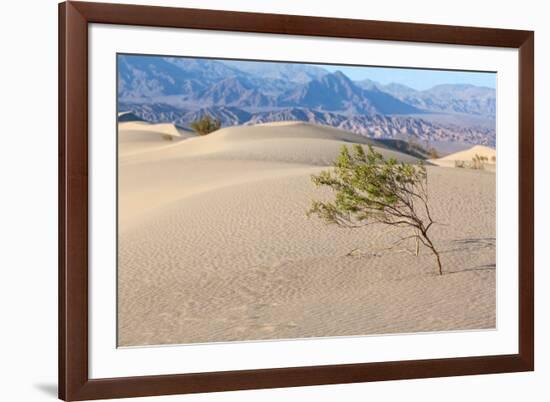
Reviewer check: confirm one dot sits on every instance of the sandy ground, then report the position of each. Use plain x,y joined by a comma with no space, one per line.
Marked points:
215,245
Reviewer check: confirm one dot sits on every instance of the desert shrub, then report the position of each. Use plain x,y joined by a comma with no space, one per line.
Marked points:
414,147
205,125
433,153
370,189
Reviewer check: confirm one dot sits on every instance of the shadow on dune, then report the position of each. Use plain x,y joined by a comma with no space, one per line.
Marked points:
470,244
485,267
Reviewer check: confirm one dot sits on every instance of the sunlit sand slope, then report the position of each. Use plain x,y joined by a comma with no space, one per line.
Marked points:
467,156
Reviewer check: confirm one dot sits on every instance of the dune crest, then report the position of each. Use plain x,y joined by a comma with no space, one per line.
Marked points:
297,143
467,156
140,136
280,123
128,116
131,129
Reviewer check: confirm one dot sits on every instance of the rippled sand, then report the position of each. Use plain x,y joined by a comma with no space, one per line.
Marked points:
215,245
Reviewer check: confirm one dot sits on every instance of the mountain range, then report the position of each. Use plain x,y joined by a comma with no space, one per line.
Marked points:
181,90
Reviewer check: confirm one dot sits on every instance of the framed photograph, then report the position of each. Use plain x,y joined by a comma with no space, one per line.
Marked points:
260,200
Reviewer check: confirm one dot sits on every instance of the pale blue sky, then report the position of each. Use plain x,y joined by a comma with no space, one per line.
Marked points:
416,78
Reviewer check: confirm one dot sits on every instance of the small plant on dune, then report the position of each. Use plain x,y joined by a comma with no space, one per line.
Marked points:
494,159
433,154
370,189
478,161
205,125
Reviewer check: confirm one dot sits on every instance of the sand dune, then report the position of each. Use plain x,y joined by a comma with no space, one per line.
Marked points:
291,129
137,136
467,156
134,131
215,245
160,171
292,142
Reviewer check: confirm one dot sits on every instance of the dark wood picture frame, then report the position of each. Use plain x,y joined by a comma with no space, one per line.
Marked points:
74,381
